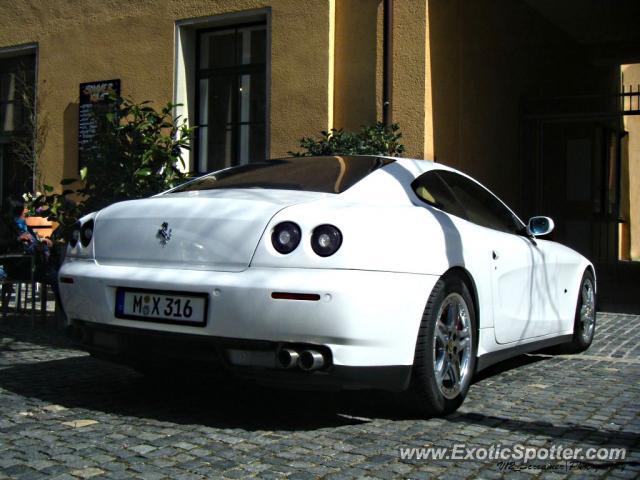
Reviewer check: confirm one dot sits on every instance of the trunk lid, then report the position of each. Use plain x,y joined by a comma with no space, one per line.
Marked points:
201,230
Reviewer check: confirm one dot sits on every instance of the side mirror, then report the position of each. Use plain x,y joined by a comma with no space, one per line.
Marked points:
540,226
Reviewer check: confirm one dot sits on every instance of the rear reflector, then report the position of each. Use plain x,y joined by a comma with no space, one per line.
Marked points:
66,280
295,296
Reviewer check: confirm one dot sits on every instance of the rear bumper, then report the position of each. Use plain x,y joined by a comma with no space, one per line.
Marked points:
362,319
205,355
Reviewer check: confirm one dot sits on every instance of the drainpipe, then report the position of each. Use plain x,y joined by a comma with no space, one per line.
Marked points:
387,64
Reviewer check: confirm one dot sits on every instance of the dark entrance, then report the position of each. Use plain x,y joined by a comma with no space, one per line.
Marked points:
572,173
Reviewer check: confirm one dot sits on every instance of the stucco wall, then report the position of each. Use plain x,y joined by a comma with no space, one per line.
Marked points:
89,40
357,57
358,70
325,70
411,76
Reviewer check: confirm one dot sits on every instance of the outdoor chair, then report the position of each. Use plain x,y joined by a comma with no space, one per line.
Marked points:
20,282
20,270
25,271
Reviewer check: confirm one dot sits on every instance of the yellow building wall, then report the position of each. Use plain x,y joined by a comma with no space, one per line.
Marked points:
357,56
325,70
359,72
631,75
80,41
412,76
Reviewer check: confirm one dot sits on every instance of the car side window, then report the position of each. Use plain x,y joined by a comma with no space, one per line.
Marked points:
432,190
480,205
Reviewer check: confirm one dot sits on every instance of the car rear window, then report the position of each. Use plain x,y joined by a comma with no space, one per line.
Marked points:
313,174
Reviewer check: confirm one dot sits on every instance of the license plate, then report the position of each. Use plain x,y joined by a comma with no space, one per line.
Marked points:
163,307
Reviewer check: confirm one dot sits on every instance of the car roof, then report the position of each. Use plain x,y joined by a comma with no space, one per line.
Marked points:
391,184
419,165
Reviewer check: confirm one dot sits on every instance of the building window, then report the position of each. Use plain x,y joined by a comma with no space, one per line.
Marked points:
16,82
18,131
231,96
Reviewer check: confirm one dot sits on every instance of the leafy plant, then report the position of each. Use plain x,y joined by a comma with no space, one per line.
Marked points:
137,153
33,203
370,140
59,208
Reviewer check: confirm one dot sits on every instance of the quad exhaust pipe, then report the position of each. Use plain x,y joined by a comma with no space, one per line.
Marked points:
307,360
310,360
288,358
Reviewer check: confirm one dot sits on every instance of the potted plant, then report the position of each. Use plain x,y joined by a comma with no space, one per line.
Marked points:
36,214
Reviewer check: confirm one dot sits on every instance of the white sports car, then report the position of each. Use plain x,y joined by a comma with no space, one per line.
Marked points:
333,272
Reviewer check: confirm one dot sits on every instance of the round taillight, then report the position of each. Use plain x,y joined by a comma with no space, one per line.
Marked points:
86,233
326,240
285,237
75,235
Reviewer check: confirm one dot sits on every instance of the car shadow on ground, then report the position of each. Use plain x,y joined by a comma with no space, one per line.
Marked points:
87,383
101,388
90,384
92,388
44,333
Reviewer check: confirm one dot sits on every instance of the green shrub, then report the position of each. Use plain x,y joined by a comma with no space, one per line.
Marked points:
137,153
370,140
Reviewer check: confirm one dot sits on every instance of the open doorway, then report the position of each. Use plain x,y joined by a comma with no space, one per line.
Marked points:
582,168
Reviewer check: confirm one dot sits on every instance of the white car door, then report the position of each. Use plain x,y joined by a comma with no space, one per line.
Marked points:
556,283
513,281
518,271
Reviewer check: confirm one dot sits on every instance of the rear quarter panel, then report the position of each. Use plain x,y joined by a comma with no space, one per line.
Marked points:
401,238
384,238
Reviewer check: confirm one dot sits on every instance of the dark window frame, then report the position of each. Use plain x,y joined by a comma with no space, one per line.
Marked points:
418,182
520,231
236,71
9,66
15,177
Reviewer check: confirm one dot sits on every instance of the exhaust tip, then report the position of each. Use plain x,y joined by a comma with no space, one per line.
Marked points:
311,360
288,358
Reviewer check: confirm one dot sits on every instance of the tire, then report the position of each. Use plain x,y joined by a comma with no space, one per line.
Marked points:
441,337
584,323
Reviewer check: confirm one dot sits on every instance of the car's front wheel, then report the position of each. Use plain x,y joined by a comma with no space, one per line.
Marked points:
445,355
584,325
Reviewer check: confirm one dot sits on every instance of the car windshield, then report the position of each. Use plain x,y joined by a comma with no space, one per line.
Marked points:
313,174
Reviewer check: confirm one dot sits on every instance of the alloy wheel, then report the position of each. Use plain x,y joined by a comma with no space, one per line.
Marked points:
587,310
452,345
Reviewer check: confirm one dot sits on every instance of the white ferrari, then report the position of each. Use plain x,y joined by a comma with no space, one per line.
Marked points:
348,272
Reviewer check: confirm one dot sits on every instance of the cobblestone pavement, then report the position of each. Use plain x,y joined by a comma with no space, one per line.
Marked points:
66,415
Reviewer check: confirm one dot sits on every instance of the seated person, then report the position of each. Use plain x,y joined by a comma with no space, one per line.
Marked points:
17,237
30,239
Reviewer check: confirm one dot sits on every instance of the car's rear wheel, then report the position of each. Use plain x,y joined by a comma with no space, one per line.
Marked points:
446,348
584,325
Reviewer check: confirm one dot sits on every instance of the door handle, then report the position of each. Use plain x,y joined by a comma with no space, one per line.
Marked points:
495,255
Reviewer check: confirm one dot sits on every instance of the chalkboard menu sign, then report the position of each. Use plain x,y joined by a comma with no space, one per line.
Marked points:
93,100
